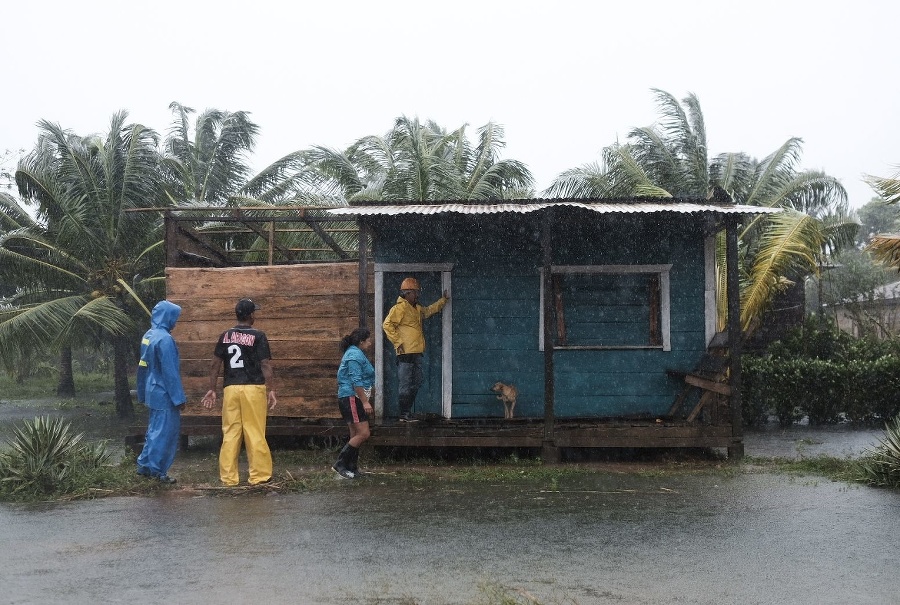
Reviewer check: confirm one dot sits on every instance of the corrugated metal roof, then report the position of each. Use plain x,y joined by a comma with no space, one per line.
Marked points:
603,207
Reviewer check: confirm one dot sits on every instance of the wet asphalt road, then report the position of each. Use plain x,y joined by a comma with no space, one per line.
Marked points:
609,539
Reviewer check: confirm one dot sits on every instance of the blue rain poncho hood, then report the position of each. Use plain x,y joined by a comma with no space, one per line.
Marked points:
164,315
159,370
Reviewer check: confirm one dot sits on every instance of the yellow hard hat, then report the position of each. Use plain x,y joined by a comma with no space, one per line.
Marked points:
410,283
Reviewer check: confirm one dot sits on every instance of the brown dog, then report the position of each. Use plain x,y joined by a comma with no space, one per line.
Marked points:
507,393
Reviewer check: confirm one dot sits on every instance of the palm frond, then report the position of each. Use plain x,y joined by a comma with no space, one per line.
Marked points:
50,322
790,242
585,182
639,181
133,294
733,172
658,160
888,188
886,250
772,172
12,214
273,182
29,255
332,172
213,165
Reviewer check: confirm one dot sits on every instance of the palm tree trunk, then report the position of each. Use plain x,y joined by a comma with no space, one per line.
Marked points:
66,385
121,363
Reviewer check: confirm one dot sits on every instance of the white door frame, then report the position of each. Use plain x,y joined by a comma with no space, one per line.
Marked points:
446,330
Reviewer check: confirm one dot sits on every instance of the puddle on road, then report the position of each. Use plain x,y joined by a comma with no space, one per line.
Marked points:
603,538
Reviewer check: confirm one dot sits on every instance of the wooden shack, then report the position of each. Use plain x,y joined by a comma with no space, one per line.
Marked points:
601,312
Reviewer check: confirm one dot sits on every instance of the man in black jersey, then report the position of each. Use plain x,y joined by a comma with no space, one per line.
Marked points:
243,353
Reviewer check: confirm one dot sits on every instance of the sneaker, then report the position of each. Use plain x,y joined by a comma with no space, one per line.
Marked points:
166,479
407,417
343,472
143,471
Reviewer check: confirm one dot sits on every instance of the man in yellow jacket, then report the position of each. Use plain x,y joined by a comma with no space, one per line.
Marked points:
403,327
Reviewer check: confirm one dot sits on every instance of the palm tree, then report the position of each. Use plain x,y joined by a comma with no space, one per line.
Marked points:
84,266
206,165
670,159
412,162
417,161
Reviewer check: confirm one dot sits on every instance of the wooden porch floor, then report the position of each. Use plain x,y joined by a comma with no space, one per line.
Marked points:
491,432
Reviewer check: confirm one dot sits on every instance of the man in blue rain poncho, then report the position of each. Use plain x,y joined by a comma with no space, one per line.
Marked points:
159,388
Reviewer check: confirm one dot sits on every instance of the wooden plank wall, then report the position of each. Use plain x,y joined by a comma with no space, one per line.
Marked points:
305,311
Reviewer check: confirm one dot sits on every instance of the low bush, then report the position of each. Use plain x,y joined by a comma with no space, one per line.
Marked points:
47,458
825,375
881,467
755,403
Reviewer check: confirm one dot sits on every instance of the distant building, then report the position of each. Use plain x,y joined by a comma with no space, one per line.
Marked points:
875,315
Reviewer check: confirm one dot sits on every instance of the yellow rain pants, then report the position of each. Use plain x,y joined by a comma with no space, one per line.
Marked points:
244,422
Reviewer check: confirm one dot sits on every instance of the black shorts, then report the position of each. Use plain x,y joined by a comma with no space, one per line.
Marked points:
352,410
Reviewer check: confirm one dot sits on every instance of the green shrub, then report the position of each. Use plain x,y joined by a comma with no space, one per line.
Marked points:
46,458
873,390
822,386
775,386
814,339
824,374
755,402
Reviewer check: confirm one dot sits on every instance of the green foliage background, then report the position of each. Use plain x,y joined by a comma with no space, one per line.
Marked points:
823,374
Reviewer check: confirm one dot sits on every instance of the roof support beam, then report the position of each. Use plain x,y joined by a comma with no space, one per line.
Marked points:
736,449
550,453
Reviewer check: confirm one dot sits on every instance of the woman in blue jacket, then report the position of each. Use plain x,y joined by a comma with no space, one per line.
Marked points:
356,382
159,388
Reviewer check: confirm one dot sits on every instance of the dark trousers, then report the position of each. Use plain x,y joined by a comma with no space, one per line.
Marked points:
409,379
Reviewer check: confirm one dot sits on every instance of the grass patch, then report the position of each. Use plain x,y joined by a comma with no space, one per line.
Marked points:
836,469
45,387
303,466
492,593
306,467
309,470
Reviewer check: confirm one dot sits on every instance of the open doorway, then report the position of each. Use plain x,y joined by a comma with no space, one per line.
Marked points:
435,395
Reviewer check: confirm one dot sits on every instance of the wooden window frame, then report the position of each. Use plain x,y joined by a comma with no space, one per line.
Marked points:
664,302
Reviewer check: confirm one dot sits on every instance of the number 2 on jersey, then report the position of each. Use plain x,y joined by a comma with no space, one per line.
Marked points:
236,361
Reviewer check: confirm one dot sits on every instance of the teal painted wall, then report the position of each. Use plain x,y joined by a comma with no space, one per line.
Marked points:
496,298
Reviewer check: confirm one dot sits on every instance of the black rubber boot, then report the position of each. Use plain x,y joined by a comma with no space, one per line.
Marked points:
341,466
353,459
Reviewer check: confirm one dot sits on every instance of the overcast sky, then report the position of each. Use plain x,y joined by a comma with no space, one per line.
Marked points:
564,78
